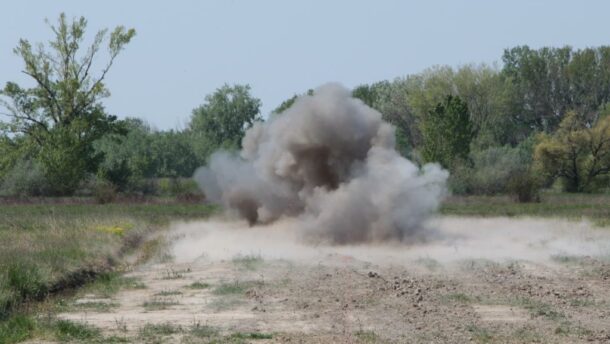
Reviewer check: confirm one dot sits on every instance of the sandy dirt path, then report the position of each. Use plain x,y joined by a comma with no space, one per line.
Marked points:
475,280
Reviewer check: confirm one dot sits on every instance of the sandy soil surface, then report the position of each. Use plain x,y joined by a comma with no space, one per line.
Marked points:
472,280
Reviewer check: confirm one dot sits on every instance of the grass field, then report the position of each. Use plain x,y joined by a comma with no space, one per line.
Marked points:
594,207
48,248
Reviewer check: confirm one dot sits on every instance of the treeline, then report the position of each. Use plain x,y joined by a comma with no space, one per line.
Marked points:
539,120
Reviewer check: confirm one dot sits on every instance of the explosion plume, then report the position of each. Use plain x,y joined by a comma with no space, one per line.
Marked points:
329,162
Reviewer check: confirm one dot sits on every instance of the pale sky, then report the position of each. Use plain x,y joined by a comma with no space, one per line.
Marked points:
186,49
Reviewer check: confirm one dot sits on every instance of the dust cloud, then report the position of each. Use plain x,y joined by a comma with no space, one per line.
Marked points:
329,167
460,238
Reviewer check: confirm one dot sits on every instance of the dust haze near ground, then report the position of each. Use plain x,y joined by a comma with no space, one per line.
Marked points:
456,238
483,280
330,162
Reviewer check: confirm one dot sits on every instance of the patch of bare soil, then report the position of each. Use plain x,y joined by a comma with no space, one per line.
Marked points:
347,298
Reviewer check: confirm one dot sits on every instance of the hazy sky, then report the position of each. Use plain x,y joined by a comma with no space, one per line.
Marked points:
186,49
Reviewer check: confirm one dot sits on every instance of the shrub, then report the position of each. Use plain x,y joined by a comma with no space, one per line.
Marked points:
494,167
524,186
26,178
492,170
104,191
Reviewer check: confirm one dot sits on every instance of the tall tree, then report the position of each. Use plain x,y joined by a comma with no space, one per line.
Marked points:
225,116
447,132
62,114
575,152
286,104
549,82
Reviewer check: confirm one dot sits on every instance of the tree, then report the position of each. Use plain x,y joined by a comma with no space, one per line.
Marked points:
144,153
576,153
447,132
391,99
549,82
286,104
62,114
224,118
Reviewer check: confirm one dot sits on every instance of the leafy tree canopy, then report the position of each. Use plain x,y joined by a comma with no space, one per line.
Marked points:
225,116
447,132
578,154
62,114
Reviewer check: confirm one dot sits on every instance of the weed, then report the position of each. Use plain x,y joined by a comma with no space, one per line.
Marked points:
457,297
171,274
234,288
66,330
479,334
16,329
198,285
158,304
538,308
165,329
168,293
248,262
367,336
251,335
203,331
96,306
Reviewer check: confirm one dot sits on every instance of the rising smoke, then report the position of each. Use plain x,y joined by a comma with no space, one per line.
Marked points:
330,162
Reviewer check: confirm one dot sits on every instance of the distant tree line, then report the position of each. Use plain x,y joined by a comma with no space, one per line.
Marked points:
539,120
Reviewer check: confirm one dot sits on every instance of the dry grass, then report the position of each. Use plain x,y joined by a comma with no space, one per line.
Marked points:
46,248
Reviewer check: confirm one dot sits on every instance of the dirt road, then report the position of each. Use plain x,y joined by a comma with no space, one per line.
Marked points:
476,280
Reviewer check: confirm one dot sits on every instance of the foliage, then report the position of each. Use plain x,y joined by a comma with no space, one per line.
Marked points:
44,248
62,114
447,132
549,82
224,117
26,178
288,103
104,191
391,100
524,186
143,154
576,153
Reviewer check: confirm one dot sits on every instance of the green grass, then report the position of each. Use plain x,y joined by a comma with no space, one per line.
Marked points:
251,335
168,293
16,329
198,285
203,331
367,337
157,304
570,206
458,298
47,248
69,331
479,334
232,288
166,329
20,327
96,306
540,309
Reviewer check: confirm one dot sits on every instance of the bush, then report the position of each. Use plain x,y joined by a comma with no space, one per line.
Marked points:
525,187
25,179
460,179
104,191
494,168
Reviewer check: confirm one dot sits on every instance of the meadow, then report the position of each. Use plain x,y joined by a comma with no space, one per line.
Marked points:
47,249
51,250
